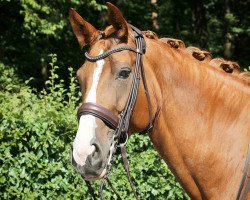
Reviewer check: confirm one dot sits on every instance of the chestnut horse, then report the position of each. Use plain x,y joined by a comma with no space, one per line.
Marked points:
201,115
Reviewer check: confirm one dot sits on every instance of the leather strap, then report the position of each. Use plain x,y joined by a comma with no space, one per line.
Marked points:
246,187
90,189
150,124
102,113
138,34
100,190
245,181
126,167
111,51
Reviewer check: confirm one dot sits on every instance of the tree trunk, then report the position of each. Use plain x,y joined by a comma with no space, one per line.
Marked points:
229,39
200,23
154,15
176,17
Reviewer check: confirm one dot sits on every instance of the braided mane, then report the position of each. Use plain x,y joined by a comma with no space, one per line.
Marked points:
203,56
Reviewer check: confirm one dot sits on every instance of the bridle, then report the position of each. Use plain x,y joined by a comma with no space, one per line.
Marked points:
120,124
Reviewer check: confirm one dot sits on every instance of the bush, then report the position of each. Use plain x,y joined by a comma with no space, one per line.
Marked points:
36,132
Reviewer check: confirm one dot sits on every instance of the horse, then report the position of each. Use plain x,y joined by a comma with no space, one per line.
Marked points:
199,114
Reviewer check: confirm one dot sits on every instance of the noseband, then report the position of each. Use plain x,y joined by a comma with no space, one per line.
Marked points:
120,124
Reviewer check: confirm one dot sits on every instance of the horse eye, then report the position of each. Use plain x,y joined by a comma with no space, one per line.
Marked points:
124,73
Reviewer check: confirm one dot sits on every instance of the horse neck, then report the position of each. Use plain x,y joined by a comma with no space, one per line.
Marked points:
200,130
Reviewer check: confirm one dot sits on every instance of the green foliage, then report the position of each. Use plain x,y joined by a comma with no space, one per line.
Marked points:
247,69
8,79
36,132
32,29
35,23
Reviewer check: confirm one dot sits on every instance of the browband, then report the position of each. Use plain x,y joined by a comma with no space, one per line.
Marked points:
111,51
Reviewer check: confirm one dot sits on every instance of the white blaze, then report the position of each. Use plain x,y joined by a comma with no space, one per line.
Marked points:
87,124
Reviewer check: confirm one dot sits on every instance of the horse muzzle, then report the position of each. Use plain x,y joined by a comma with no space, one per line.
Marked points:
94,167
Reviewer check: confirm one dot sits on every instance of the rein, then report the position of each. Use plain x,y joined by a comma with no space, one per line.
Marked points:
120,124
245,181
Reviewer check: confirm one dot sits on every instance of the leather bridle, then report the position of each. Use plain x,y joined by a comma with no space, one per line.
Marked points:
120,124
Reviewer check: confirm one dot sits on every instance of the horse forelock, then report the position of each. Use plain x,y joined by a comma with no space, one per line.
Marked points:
107,39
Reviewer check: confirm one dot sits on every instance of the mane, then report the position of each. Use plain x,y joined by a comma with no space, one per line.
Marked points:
227,78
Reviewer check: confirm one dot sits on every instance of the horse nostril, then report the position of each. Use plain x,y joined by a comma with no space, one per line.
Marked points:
96,157
97,150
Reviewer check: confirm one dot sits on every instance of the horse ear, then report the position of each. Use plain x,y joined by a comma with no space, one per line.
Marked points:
84,31
117,20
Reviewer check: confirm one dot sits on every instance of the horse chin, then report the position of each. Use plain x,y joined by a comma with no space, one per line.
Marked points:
91,178
91,170
89,174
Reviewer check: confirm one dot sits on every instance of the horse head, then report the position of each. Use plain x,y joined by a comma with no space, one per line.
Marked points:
105,82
